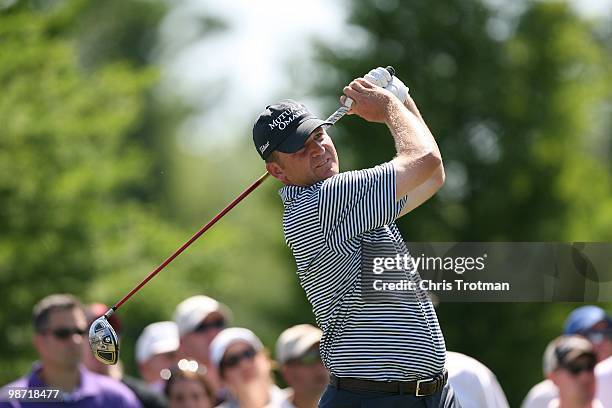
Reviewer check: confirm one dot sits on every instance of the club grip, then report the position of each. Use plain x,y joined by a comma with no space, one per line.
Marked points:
348,102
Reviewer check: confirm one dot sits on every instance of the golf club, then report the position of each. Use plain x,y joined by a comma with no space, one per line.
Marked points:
102,337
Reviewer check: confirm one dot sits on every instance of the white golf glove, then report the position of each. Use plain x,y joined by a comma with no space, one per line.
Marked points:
378,76
398,89
381,77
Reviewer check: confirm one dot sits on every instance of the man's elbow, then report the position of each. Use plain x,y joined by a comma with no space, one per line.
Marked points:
440,175
437,175
432,162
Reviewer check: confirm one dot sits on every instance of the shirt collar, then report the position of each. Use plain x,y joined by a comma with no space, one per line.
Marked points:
87,385
289,193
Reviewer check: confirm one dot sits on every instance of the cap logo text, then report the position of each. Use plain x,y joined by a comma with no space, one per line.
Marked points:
263,148
284,119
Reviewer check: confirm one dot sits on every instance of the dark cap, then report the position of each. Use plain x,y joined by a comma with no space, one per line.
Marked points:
284,126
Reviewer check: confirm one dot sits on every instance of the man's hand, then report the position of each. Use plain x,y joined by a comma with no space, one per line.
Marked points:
381,77
397,88
371,102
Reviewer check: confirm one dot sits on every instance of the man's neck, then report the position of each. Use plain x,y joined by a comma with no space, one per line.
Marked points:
305,400
55,377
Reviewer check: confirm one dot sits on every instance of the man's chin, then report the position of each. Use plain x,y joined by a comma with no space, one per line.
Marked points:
331,172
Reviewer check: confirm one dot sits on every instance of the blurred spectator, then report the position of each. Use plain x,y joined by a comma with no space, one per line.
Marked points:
187,387
60,327
593,323
147,397
199,319
245,370
474,384
569,362
297,353
156,351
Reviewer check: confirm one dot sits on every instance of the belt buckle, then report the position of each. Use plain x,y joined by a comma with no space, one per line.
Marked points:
418,388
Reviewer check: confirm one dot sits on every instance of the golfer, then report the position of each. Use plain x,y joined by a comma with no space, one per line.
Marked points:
383,352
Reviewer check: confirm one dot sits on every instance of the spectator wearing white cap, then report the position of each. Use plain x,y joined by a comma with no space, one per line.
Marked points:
297,353
156,351
569,362
245,370
199,319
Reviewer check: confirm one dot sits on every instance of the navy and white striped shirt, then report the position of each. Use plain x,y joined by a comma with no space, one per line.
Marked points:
329,226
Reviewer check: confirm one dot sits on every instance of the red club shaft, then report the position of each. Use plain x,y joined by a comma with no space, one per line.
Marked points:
192,239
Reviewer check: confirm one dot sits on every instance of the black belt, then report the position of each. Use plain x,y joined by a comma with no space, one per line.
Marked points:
420,388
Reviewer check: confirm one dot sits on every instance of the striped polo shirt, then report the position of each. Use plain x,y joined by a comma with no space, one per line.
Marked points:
329,226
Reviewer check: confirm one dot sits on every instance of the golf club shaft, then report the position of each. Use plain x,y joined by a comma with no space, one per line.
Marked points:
188,243
333,118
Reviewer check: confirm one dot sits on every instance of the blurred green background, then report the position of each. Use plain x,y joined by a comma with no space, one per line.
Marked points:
109,161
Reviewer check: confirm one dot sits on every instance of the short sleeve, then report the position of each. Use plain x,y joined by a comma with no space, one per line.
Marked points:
354,202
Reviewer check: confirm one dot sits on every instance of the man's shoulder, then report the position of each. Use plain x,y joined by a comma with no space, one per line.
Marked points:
112,389
20,382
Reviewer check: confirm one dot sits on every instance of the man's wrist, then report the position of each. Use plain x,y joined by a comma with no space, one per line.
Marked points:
393,109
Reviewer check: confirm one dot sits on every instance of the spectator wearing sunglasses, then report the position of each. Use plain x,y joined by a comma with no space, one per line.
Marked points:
60,327
569,362
148,397
188,387
297,353
199,319
245,370
594,324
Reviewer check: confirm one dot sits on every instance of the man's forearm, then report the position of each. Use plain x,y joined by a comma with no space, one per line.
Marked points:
418,158
412,137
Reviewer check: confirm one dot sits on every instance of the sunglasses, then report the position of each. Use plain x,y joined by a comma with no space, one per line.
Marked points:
575,369
234,359
215,324
309,358
64,333
597,336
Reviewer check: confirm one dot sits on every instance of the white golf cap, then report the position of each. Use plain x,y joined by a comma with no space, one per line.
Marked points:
157,338
191,311
227,337
564,350
295,341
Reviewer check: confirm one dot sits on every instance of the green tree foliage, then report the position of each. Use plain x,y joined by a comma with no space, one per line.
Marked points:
89,168
67,166
518,108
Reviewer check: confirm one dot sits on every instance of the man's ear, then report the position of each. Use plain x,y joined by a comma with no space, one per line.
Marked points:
552,376
276,171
